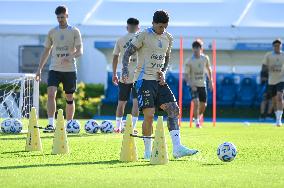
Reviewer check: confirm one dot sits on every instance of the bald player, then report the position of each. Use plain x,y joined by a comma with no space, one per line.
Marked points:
125,87
195,73
154,47
65,44
274,63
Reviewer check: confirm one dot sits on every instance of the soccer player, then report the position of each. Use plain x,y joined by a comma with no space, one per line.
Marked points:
65,44
196,70
125,87
154,47
274,63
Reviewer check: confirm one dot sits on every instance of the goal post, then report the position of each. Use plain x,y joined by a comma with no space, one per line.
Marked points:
19,92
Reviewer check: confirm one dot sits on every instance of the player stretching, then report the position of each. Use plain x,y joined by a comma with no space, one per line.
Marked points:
66,44
274,63
196,70
125,88
154,47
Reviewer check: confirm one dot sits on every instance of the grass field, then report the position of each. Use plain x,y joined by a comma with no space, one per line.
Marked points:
93,161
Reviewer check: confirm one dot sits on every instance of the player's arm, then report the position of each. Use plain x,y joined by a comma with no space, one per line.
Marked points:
209,73
116,53
131,49
43,61
162,74
188,80
135,45
114,69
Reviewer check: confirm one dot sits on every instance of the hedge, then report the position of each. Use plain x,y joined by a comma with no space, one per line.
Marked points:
88,99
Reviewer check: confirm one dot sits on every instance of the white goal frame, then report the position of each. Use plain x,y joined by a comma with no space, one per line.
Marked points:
22,77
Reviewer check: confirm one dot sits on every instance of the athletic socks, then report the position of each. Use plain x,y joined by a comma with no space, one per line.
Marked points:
148,145
51,121
175,135
279,117
118,121
196,121
134,121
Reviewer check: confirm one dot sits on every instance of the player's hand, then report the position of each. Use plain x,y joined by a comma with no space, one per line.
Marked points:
38,75
162,80
115,79
193,88
65,60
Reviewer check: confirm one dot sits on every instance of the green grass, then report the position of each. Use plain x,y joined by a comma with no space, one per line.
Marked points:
93,161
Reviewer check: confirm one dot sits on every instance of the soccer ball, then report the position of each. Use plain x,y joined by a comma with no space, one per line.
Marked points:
16,126
227,152
11,126
73,126
92,126
107,127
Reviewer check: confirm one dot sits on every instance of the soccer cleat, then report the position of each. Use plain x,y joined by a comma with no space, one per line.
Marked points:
183,151
49,129
279,124
147,155
198,126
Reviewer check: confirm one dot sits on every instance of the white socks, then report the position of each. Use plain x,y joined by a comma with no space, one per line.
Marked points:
51,121
196,121
134,121
175,135
118,121
278,114
148,145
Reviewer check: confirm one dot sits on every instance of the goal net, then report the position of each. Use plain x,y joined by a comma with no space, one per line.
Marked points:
19,92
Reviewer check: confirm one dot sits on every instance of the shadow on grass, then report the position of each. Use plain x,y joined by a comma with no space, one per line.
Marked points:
213,164
110,162
44,136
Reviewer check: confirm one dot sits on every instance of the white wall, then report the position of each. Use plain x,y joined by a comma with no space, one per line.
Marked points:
9,51
92,65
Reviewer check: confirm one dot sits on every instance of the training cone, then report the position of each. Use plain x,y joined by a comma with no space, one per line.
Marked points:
33,142
60,142
159,154
128,149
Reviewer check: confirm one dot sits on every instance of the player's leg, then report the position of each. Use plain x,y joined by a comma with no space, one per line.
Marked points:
147,93
52,83
263,105
167,102
123,96
135,109
70,106
147,130
269,110
202,101
279,103
272,93
69,81
119,115
196,109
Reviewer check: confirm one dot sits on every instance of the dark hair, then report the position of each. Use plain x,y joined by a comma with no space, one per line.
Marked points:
132,21
161,16
197,43
62,9
276,41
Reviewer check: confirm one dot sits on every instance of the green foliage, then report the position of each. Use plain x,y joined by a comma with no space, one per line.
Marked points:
87,99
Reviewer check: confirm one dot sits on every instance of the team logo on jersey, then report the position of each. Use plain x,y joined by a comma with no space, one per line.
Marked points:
160,44
61,37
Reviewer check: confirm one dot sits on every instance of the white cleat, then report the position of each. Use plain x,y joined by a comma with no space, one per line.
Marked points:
183,151
147,155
